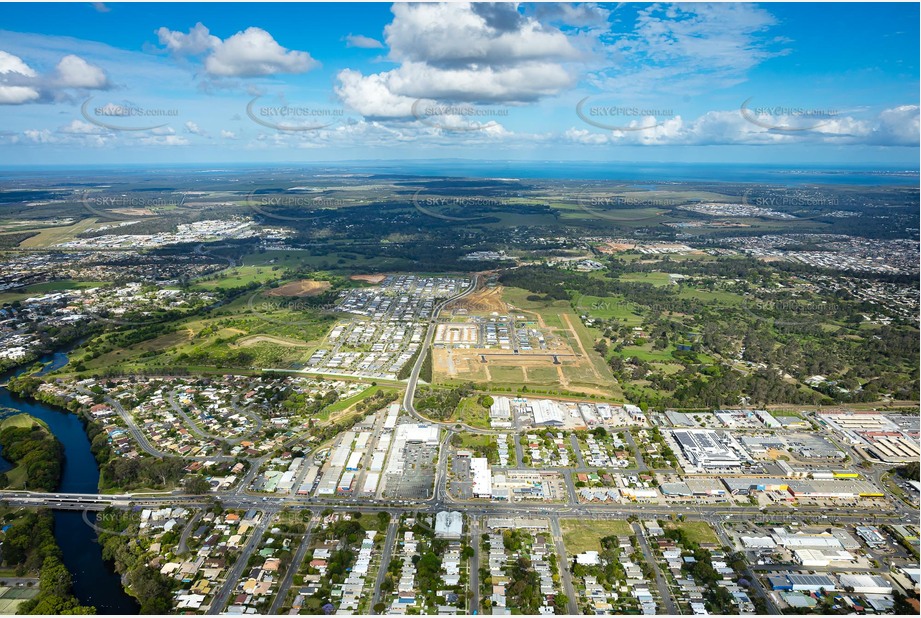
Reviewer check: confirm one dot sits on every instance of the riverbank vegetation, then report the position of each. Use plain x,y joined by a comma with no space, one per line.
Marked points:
29,548
153,591
37,455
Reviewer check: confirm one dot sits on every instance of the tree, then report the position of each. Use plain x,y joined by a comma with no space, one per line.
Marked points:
197,485
561,604
55,578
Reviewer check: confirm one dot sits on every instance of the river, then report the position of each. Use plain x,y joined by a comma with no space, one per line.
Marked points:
95,582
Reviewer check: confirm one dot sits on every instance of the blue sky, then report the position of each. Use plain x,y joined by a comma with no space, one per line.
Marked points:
184,83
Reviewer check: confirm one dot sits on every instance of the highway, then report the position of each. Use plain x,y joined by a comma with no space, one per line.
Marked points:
413,380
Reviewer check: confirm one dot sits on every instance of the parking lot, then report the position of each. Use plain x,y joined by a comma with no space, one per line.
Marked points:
418,476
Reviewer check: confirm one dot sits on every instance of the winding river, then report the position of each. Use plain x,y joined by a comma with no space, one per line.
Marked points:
94,581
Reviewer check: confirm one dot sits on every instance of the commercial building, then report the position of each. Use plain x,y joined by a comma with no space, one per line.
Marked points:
705,486
449,524
348,479
482,477
743,487
371,482
680,490
871,536
839,489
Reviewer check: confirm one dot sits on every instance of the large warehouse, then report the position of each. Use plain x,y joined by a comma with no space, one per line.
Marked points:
707,449
547,413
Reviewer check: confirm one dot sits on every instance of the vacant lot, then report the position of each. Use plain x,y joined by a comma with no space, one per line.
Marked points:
580,536
304,287
368,278
482,301
696,531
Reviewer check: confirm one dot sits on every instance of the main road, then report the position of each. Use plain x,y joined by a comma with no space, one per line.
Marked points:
424,350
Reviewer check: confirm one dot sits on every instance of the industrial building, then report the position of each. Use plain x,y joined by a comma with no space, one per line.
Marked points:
371,482
546,413
866,583
805,541
894,449
708,449
345,484
803,583
500,412
421,433
354,461
821,557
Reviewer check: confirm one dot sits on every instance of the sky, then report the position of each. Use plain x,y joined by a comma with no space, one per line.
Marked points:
147,83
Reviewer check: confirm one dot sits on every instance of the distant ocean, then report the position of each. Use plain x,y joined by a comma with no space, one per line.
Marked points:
653,173
642,173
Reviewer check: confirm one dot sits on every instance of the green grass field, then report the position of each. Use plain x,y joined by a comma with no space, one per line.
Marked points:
470,440
22,420
344,404
657,279
580,535
472,413
240,276
696,531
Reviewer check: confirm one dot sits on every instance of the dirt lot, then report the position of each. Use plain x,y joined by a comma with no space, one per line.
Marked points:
483,301
254,339
304,287
368,278
615,247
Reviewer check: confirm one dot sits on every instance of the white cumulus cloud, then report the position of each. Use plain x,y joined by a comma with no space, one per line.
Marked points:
249,53
462,52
